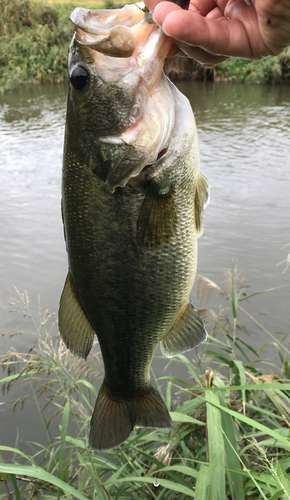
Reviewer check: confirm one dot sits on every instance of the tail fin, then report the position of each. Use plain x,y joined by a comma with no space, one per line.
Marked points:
113,420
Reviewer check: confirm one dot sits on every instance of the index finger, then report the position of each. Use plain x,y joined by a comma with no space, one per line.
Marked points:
226,37
202,7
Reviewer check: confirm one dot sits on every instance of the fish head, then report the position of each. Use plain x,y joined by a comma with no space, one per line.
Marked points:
119,96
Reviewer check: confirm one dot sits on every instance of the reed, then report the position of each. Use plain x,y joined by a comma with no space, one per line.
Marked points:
231,417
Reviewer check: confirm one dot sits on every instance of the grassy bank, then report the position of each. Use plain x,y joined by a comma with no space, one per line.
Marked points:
34,38
231,417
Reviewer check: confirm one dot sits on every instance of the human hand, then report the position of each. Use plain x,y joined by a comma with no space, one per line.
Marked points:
211,31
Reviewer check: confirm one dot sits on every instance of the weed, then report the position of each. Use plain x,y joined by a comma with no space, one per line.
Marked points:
230,438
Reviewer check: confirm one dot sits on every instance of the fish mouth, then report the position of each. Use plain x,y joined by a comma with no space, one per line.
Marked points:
159,156
127,50
111,32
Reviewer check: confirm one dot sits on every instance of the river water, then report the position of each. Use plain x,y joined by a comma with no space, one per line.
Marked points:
244,142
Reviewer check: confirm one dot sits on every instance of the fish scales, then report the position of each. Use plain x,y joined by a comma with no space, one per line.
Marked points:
131,233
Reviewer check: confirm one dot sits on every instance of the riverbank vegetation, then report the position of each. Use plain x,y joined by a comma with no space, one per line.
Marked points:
34,38
231,415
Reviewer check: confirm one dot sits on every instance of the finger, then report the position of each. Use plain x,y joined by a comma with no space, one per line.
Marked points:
205,58
215,13
202,7
162,10
151,4
222,36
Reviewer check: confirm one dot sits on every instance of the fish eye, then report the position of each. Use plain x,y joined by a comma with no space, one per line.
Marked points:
135,110
79,77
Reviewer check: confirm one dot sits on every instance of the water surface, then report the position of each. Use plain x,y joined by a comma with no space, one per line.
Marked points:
244,142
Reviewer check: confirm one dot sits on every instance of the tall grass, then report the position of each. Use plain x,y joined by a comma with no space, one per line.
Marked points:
35,35
34,40
269,70
231,417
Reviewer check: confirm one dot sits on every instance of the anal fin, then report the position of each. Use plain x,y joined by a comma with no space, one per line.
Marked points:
75,329
188,332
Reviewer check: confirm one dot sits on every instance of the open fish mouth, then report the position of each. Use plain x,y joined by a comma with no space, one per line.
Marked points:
159,156
123,49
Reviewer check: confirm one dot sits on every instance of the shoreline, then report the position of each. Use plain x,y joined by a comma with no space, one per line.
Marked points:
35,37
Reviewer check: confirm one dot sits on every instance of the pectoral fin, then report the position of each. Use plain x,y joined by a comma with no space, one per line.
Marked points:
201,199
188,332
75,329
158,218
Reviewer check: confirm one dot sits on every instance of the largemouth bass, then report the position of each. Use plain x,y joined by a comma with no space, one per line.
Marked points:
132,203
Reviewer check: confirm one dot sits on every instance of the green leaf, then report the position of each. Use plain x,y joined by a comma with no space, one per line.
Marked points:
231,450
151,480
278,495
15,450
252,387
283,478
42,475
215,447
77,442
234,295
190,406
15,486
259,293
16,375
64,424
168,395
181,417
188,471
242,375
249,347
89,386
202,488
252,423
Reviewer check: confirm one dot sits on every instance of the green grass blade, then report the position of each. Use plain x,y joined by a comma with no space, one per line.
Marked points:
283,479
190,406
100,493
202,488
279,495
253,387
151,480
168,395
188,471
252,423
181,417
231,449
15,450
64,424
215,446
249,347
234,294
15,376
15,486
89,386
190,367
242,375
42,475
259,293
